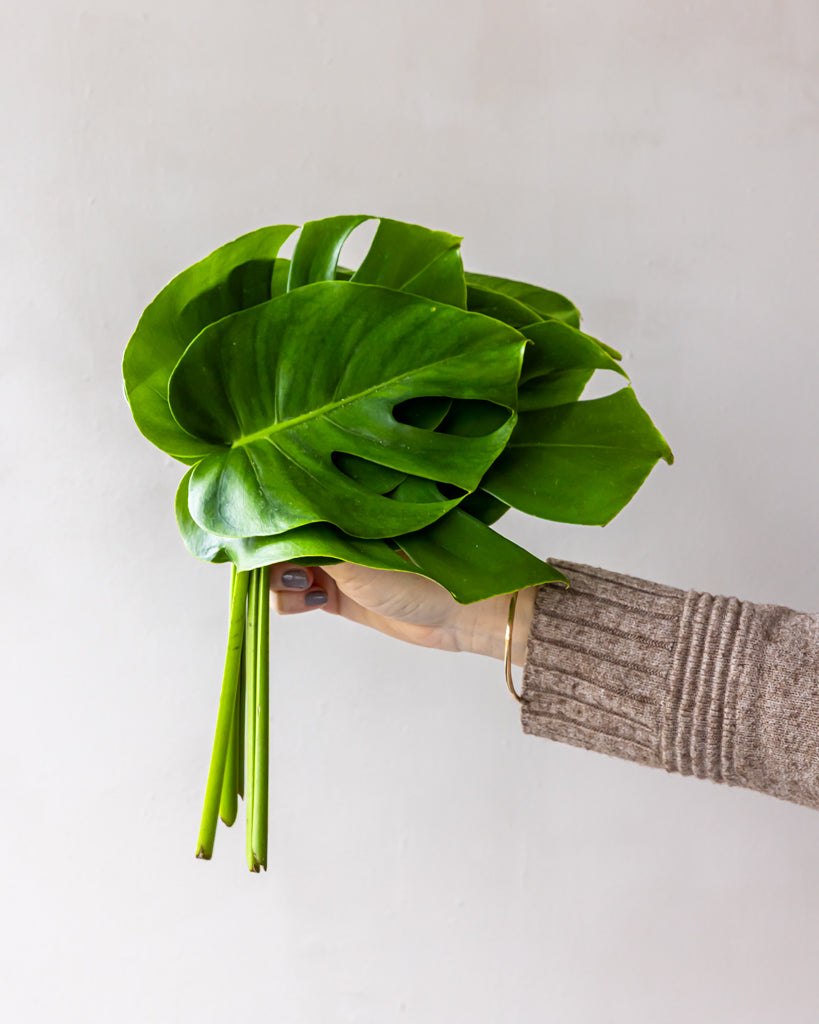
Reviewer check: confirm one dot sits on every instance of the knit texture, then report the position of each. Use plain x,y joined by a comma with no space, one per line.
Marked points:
708,686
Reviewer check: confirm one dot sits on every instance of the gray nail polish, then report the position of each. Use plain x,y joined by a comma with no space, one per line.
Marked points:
314,598
295,578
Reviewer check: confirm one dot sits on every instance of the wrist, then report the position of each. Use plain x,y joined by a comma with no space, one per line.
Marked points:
485,630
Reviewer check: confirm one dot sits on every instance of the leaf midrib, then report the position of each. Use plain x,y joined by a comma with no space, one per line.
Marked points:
260,435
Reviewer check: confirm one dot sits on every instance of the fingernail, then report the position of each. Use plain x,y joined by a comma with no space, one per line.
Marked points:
295,578
314,598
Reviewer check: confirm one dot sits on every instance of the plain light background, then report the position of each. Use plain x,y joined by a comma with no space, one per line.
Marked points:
656,161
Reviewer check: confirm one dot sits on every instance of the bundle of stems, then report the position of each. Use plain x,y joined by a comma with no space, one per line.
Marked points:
239,763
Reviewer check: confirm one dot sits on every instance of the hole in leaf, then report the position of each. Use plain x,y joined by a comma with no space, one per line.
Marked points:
418,489
470,417
464,417
375,477
426,412
479,504
288,246
602,384
562,387
357,245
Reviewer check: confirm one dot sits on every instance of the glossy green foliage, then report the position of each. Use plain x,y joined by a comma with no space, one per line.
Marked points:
274,428
386,414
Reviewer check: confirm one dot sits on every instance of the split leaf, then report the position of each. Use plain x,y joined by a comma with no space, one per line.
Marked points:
275,390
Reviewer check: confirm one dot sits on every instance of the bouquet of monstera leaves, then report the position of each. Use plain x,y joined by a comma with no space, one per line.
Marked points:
385,416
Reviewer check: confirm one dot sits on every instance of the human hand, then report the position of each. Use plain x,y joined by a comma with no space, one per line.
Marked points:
403,605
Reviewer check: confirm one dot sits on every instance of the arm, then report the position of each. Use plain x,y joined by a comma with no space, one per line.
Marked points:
701,685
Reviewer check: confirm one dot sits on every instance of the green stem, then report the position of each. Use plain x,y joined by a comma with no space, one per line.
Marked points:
239,728
227,700
228,805
250,714
262,767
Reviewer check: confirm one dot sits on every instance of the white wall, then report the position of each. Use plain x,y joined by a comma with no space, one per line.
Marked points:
656,161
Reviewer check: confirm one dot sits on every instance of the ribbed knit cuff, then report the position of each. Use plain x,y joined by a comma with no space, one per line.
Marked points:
597,659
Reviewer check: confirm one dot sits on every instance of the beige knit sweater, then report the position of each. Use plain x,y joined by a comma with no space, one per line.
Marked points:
707,686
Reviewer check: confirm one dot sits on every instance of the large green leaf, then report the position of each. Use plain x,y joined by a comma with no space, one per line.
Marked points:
459,552
578,463
236,276
276,390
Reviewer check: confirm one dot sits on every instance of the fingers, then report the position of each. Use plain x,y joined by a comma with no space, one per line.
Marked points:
299,588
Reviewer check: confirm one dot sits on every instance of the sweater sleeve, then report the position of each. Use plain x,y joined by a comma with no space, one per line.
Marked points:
709,686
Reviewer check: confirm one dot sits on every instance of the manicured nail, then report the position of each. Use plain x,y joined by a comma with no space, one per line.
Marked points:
314,598
295,578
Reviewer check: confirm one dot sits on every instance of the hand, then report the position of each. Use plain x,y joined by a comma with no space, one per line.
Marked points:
403,605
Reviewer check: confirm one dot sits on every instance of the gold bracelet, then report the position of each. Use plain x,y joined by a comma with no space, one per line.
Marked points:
507,653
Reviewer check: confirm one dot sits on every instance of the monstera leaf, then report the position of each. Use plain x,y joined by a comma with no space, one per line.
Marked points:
272,398
248,271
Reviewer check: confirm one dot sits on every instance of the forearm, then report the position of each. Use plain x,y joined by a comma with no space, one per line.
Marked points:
701,685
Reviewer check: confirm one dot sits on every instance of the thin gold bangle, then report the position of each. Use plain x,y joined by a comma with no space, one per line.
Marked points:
507,653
